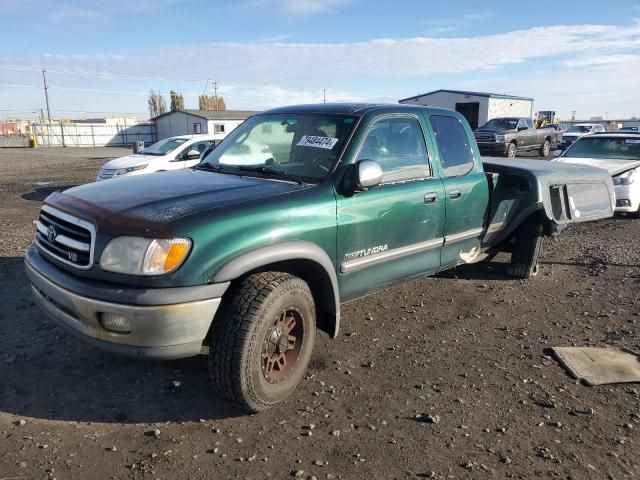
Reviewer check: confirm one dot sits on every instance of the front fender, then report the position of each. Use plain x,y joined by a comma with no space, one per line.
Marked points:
287,251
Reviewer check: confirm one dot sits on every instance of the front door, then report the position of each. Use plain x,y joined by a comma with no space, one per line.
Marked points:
527,134
466,190
394,230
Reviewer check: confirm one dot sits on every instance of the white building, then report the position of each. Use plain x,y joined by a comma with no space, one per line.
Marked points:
476,107
191,122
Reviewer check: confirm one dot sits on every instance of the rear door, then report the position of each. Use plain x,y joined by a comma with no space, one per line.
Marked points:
395,230
466,189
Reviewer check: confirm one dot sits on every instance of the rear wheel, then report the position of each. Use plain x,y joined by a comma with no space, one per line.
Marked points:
545,149
526,250
262,339
511,150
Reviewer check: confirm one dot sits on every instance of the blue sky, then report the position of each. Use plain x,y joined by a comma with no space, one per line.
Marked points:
103,57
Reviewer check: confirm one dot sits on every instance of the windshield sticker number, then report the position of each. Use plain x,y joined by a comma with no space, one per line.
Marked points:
632,141
317,142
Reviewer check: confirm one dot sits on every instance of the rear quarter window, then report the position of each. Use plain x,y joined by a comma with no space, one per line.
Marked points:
456,153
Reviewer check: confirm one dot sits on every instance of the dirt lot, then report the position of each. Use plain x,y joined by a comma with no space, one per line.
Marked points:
467,348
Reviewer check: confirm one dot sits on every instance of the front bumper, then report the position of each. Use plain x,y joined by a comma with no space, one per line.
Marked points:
493,149
164,323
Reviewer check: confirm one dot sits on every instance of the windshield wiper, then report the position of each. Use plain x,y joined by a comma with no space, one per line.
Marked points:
272,171
213,168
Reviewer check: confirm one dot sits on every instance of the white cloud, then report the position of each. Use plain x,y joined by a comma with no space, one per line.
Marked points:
451,24
582,59
300,8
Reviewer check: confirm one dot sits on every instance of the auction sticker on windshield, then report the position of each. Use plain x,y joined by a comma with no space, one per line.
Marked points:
317,142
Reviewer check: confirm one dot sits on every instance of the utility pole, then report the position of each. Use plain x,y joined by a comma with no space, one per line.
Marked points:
324,95
215,92
46,93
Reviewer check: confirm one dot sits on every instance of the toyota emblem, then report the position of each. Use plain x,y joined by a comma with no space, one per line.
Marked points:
51,233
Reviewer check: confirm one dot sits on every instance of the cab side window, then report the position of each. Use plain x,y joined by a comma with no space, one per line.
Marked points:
397,144
456,154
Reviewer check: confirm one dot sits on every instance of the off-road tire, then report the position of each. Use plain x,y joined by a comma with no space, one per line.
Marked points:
526,250
239,332
545,149
512,150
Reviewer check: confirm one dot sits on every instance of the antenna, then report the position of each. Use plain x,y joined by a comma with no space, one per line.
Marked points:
324,95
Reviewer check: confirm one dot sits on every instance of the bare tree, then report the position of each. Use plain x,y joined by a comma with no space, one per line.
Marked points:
177,101
210,102
156,103
162,104
153,104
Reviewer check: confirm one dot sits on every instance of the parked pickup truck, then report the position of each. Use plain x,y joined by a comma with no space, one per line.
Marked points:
249,258
505,137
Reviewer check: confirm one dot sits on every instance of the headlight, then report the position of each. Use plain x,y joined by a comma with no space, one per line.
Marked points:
144,256
501,138
626,178
122,171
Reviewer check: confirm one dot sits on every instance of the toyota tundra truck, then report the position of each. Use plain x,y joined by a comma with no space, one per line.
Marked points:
505,137
297,211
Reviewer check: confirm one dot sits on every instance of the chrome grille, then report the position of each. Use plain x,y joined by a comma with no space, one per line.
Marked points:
106,173
485,137
66,238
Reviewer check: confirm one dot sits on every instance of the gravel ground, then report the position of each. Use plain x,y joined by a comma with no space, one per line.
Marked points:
445,377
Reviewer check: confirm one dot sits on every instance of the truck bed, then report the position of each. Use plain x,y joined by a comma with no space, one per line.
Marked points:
562,193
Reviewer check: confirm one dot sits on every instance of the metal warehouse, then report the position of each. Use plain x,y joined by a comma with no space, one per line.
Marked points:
189,122
476,107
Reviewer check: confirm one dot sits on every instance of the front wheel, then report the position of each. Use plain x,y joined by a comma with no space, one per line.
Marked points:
545,149
526,250
511,150
262,339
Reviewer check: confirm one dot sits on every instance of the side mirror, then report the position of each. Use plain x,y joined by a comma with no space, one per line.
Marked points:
557,153
368,174
192,155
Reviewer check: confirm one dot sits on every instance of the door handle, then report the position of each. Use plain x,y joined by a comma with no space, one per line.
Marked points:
455,194
431,197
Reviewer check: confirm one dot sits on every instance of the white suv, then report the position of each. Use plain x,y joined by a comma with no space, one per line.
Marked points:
171,153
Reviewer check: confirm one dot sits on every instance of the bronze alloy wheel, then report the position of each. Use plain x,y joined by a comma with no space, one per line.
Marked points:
282,344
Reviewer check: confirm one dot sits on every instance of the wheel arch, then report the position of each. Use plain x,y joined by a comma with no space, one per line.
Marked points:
300,258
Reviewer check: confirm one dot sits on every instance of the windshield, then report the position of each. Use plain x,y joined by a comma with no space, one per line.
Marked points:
502,123
299,146
580,129
592,146
163,147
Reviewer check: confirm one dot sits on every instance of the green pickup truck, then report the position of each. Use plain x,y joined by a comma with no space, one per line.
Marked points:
298,210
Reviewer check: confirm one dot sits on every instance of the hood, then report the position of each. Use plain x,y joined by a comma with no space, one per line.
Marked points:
130,160
146,204
613,166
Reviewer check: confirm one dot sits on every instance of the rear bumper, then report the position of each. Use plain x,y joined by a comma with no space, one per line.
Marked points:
164,323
